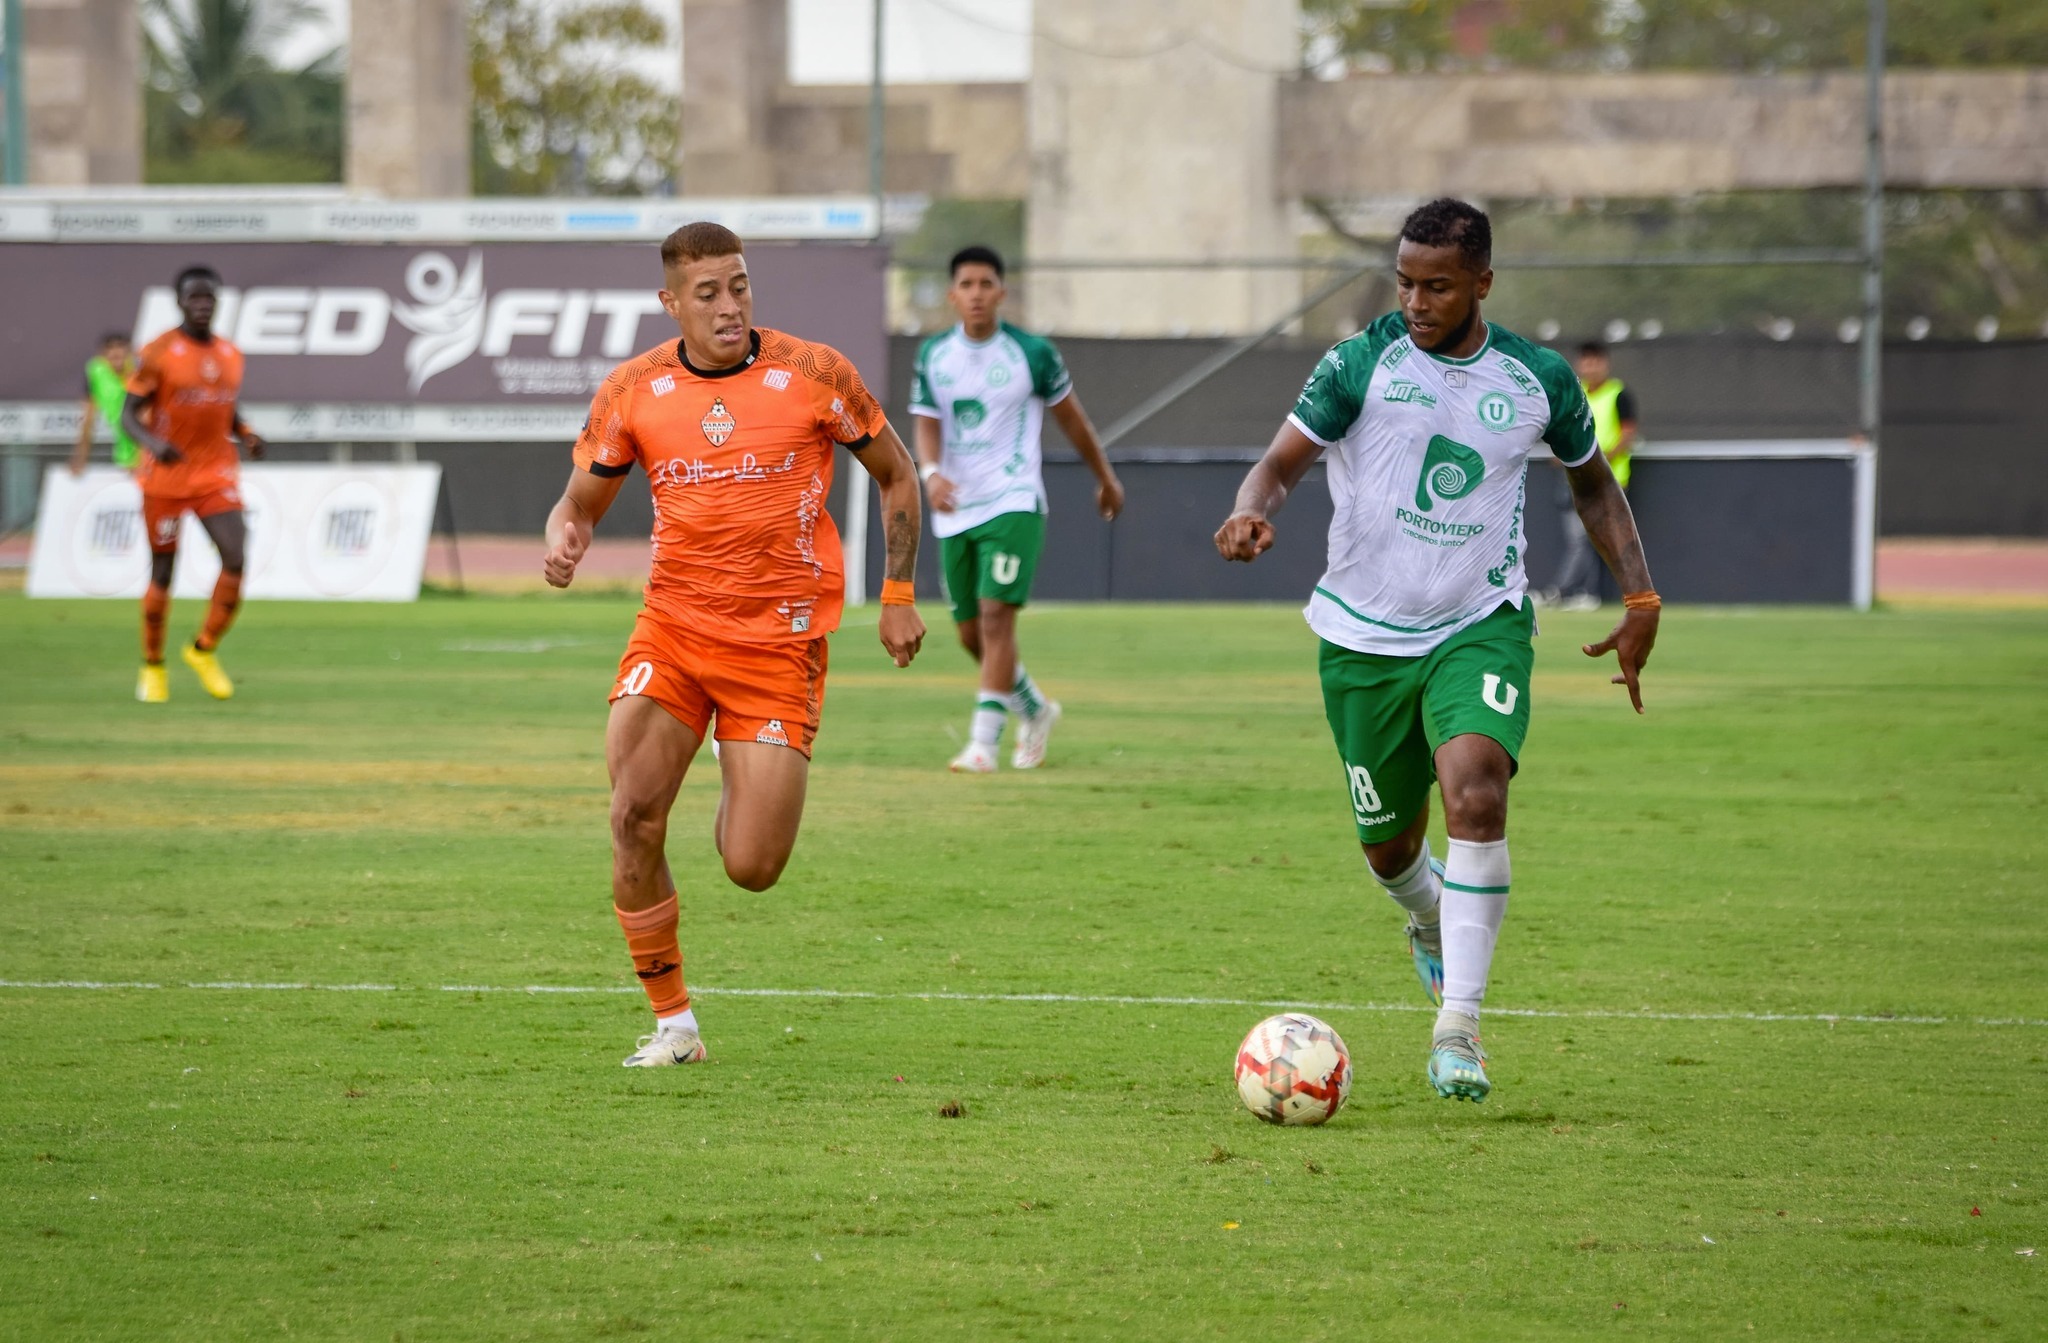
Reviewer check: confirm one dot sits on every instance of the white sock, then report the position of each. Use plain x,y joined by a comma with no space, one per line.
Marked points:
685,1020
1416,889
1026,696
1475,902
990,709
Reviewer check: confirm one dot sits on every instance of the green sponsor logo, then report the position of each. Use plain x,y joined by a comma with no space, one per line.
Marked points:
1403,390
1497,412
1521,376
1450,470
1396,352
1433,527
969,413
1499,576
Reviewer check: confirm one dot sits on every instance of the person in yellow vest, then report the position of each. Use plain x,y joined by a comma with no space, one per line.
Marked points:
1614,427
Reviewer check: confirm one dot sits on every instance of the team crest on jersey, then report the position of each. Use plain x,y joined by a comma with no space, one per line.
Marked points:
209,369
718,422
1497,412
998,374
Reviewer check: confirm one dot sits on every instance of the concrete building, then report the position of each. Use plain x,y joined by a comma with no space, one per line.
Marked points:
408,98
81,74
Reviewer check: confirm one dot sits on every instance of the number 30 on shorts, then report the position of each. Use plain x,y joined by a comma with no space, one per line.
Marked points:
635,681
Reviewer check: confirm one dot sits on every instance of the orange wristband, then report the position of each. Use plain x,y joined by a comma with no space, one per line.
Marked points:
896,592
1646,600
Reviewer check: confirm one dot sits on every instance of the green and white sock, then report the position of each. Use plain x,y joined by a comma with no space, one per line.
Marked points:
1474,906
990,709
1414,890
1026,696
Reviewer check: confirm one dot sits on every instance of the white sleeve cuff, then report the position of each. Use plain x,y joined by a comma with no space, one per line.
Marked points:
1313,436
929,412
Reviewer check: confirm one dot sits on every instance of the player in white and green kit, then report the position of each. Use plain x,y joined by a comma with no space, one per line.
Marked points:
1428,417
980,394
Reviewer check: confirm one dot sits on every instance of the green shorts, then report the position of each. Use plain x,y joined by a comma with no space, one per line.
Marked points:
1389,714
994,561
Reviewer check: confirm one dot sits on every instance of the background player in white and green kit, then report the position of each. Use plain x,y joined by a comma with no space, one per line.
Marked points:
1428,417
980,394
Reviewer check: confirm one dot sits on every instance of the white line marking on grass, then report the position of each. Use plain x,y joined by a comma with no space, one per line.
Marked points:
1078,999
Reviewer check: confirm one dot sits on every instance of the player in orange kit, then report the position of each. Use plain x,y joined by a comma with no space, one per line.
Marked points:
736,428
181,411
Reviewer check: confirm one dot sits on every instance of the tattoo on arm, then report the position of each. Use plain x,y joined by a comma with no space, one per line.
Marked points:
902,545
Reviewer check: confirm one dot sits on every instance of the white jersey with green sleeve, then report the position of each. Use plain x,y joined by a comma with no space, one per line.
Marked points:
989,398
1426,460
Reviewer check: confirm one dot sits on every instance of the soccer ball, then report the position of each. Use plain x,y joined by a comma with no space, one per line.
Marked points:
1293,1069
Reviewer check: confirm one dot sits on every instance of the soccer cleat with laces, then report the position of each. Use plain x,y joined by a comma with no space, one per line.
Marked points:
154,685
206,667
1426,946
1457,1065
974,758
1034,732
667,1046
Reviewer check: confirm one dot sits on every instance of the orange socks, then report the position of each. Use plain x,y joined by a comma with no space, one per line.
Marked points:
657,956
227,596
156,604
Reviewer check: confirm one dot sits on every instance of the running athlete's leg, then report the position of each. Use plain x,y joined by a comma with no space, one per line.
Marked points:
230,535
760,808
970,636
998,622
1473,770
156,603
1398,854
647,751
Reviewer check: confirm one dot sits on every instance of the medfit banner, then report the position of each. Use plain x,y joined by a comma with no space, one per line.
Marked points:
316,533
500,329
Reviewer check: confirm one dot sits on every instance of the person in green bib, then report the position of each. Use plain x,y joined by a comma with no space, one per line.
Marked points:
106,386
980,394
1614,428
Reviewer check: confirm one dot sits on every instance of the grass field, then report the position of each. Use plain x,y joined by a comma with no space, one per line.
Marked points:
1822,816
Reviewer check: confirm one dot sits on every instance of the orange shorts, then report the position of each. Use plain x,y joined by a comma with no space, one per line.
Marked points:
160,514
770,693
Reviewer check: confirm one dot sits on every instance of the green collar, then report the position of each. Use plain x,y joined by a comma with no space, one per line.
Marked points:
1472,358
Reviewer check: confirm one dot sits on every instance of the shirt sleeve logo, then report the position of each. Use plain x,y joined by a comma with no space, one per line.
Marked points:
718,423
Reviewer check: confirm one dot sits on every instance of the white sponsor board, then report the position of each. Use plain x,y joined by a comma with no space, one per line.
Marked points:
195,217
316,533
47,422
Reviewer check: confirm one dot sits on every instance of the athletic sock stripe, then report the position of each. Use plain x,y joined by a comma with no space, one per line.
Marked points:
1475,890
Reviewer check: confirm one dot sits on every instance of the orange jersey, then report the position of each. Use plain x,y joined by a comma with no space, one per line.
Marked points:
192,387
740,462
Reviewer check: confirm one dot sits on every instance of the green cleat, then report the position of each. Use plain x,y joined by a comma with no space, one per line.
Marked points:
1457,1065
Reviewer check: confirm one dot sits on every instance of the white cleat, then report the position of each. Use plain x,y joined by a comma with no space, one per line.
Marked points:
668,1046
1033,735
974,758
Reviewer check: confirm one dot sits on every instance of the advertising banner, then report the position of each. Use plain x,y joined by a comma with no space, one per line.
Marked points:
448,329
316,533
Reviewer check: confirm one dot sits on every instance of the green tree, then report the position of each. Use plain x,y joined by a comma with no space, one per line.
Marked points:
1752,36
217,108
557,109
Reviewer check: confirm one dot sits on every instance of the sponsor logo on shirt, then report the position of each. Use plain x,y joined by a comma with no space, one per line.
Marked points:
1450,470
1403,390
663,385
775,379
718,423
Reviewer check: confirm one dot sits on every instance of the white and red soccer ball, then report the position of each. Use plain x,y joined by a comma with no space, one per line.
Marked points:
1293,1069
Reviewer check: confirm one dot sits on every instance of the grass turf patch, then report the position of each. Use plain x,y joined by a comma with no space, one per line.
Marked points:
1821,814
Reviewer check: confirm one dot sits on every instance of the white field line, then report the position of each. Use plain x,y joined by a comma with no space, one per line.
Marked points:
1082,999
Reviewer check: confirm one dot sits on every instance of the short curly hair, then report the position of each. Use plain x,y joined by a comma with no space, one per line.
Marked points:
1449,222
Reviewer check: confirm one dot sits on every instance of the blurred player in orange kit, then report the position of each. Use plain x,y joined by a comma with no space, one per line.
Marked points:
735,427
181,411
